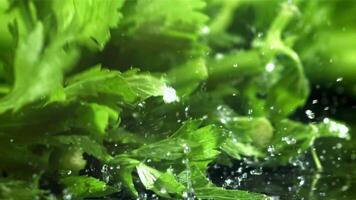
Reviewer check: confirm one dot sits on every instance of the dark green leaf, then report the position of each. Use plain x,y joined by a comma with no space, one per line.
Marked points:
84,186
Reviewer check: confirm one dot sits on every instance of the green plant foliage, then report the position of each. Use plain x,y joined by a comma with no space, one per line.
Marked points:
111,97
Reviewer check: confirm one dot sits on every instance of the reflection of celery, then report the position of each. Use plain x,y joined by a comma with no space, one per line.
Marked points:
332,58
328,46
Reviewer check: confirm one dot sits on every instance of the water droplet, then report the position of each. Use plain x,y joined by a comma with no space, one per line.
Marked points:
339,145
339,79
67,196
289,140
256,172
169,94
244,175
104,169
163,191
270,67
271,150
295,161
185,161
205,30
345,188
228,182
204,117
315,101
310,114
219,56
222,120
301,180
186,148
340,129
235,65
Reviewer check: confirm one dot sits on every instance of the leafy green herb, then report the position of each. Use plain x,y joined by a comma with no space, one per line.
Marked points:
100,97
